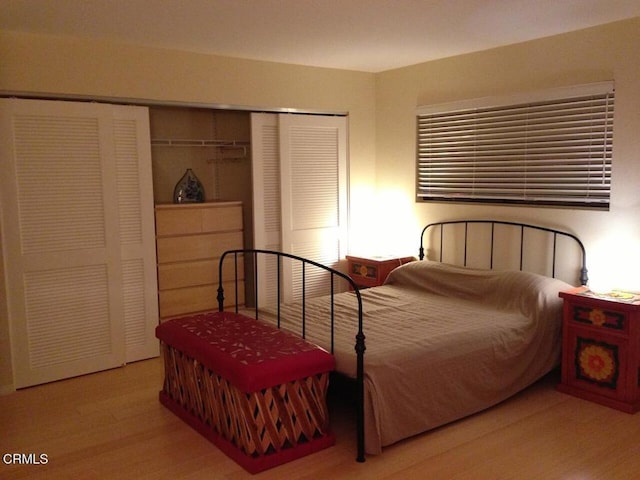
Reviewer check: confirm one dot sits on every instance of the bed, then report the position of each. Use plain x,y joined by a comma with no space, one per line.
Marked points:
473,321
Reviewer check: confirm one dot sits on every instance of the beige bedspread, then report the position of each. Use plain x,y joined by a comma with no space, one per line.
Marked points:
442,342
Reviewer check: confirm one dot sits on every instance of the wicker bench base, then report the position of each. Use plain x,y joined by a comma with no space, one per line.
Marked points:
258,430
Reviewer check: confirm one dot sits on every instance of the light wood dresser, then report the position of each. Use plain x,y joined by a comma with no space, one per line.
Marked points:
190,239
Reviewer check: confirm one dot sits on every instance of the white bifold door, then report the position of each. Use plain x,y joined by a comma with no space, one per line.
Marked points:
300,195
78,237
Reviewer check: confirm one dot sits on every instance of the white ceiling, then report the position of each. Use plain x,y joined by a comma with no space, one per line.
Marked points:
365,35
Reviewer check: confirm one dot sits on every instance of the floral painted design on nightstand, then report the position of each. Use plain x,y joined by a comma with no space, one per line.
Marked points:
597,317
597,362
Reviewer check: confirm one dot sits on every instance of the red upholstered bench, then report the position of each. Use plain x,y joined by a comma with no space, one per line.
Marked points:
256,392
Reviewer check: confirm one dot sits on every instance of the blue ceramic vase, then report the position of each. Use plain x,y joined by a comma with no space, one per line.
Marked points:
188,189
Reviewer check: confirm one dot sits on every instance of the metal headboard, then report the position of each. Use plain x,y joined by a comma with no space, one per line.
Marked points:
524,228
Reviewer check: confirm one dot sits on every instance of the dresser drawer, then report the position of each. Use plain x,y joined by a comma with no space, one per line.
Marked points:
599,317
197,299
180,249
222,219
200,272
198,219
362,271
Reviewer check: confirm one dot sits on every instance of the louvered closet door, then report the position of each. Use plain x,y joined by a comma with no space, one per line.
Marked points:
134,180
311,193
265,143
73,282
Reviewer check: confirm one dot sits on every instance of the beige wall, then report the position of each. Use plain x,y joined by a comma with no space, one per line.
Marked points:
36,64
610,52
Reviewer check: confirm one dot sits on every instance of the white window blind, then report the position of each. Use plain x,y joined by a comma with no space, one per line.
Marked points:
549,148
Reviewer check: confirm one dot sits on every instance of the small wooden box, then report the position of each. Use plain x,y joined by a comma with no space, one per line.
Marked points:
256,392
601,348
372,271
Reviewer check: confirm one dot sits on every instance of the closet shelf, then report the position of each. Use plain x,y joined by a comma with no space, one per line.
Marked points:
224,149
171,142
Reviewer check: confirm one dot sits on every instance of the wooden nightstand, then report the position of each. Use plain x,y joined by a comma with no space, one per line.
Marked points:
373,271
601,348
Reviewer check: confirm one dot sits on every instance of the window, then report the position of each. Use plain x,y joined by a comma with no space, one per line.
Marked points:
549,148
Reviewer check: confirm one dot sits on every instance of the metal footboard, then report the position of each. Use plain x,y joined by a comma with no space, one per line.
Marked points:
251,255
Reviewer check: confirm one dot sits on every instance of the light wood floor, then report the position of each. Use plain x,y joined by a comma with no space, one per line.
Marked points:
111,425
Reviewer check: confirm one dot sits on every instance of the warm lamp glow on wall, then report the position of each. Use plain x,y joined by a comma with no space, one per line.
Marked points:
614,262
390,227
